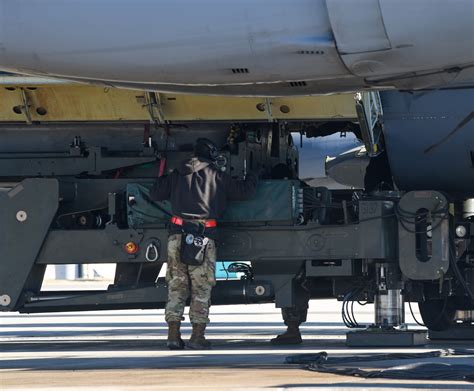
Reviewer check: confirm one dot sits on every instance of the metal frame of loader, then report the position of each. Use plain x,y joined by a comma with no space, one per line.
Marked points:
385,248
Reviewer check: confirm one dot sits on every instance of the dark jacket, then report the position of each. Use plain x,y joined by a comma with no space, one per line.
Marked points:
197,190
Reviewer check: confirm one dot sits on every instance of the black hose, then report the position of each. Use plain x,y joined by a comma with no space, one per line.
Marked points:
457,272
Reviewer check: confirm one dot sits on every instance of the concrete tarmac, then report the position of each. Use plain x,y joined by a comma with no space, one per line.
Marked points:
125,350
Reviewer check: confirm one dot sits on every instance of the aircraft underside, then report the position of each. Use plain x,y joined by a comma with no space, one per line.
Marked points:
248,48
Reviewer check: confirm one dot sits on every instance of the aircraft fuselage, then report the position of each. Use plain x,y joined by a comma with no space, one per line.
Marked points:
244,47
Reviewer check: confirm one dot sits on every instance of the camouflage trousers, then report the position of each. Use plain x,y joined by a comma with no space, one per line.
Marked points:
297,314
184,280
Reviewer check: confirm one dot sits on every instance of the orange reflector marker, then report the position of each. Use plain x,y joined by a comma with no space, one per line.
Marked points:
131,248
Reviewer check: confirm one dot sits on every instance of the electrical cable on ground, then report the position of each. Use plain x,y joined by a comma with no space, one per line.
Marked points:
321,362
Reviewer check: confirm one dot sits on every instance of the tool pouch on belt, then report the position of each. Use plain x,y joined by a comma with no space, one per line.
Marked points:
193,244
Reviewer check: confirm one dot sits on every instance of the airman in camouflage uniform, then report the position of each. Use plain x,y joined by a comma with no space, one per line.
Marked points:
198,192
184,279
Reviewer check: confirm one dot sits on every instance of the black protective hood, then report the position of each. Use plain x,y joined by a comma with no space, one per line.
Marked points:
193,165
198,190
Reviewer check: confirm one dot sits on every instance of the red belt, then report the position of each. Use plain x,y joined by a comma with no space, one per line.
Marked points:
207,223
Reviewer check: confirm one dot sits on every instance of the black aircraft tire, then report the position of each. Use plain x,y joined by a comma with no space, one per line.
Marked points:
437,315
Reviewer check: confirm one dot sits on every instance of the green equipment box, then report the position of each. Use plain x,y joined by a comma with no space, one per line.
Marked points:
276,201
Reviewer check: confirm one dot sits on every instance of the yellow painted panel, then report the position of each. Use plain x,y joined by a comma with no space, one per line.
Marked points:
88,104
10,99
74,102
341,106
67,103
196,108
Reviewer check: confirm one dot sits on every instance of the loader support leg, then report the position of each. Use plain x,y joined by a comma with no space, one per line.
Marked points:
26,212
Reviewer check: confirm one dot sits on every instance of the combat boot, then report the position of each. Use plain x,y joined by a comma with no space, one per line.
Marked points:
291,336
174,336
198,341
